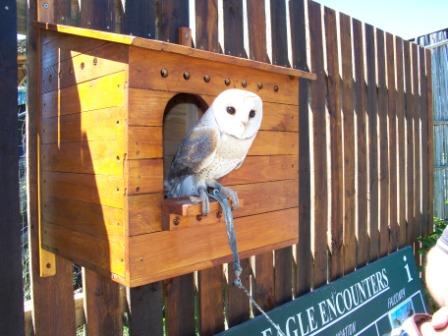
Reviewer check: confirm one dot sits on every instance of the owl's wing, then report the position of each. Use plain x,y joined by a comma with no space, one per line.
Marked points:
196,152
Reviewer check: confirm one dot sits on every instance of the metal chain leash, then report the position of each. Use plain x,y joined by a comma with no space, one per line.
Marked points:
222,200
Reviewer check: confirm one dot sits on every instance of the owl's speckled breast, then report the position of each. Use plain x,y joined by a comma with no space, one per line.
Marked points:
228,155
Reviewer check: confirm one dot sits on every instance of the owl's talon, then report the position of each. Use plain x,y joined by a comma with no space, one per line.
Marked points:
233,196
205,202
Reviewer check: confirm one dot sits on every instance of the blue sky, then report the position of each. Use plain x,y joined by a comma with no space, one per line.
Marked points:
405,18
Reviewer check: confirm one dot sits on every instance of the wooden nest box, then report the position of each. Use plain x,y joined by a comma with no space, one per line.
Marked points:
104,100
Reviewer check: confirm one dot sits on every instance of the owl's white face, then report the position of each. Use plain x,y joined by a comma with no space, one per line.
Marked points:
238,112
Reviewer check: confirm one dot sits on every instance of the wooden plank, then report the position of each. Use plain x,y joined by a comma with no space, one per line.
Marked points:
393,157
319,149
207,25
233,28
336,145
210,248
361,141
401,143
171,15
180,302
409,143
100,94
147,108
211,302
416,121
11,292
98,125
145,214
100,157
106,258
429,146
373,144
97,220
145,309
257,31
383,170
276,88
107,59
101,305
279,34
139,18
98,14
299,60
350,192
51,296
171,48
237,301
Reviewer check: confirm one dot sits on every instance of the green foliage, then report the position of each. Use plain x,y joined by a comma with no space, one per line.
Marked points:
430,240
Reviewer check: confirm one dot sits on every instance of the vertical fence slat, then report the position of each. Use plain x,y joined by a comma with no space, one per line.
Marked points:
98,14
264,269
237,302
373,142
349,144
383,146
319,175
399,103
139,18
361,118
409,144
171,15
283,257
52,296
102,305
211,281
11,292
391,108
334,110
145,309
207,25
299,60
429,144
416,118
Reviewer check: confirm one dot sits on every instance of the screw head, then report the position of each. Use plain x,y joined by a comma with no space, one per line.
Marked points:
259,86
227,81
206,78
164,72
176,220
95,61
244,83
186,75
276,88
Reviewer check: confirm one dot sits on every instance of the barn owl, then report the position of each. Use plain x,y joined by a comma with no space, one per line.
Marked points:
215,146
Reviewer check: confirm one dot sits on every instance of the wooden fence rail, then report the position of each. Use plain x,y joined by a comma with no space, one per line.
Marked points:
365,158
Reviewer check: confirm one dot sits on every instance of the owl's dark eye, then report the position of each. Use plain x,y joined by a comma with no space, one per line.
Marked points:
231,110
252,113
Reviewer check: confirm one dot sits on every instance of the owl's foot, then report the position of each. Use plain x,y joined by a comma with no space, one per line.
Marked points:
205,201
228,193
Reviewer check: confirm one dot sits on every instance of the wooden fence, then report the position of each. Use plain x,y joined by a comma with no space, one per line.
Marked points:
365,135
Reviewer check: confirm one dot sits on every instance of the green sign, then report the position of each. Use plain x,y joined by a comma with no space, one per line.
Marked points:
370,301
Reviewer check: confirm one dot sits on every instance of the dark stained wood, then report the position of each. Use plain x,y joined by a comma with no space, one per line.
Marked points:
62,12
52,296
393,157
416,121
211,304
429,146
171,15
299,60
317,93
102,305
264,270
410,144
361,119
207,25
278,33
349,144
233,28
383,145
372,136
11,293
98,14
336,150
139,18
180,305
237,301
399,102
145,309
283,275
